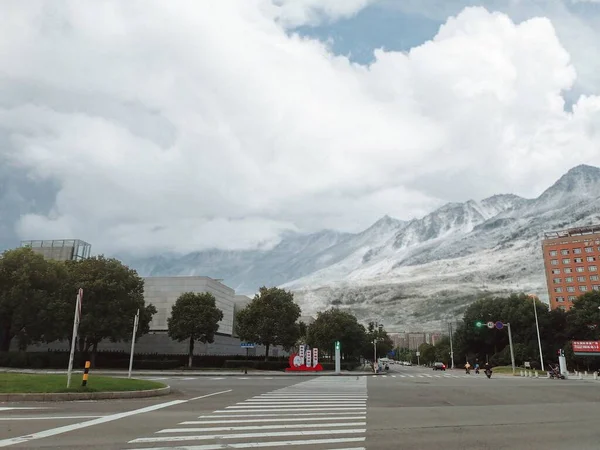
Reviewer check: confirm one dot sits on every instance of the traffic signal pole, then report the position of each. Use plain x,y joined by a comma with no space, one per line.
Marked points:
338,358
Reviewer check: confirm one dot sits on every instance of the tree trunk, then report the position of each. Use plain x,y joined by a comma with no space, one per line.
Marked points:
267,351
191,352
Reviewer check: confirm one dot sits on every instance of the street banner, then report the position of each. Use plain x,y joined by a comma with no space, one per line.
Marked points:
583,348
315,353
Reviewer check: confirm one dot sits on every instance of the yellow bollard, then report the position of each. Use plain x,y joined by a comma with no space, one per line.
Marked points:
86,371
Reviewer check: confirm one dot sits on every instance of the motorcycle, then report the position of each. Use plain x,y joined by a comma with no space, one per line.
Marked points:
468,371
488,373
555,374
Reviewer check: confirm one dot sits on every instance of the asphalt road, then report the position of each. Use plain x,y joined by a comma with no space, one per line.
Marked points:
409,408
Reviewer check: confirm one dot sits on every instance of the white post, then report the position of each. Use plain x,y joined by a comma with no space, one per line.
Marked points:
451,347
512,354
375,365
338,359
136,320
537,327
74,338
562,363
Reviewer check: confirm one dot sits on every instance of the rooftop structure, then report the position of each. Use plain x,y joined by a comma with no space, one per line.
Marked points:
60,249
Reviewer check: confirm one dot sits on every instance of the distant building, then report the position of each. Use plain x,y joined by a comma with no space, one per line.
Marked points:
571,260
308,320
60,249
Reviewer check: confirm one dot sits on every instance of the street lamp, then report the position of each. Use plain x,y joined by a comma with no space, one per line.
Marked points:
537,327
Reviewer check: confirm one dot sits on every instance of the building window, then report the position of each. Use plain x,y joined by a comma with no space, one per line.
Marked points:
578,260
580,269
560,299
572,298
557,280
593,268
591,259
554,262
583,288
589,249
555,271
568,270
593,277
564,252
596,287
568,260
577,251
562,308
553,253
581,279
569,280
558,290
570,288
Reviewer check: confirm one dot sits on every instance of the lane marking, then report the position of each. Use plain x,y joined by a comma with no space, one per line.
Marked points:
246,435
217,378
210,395
265,444
98,421
278,419
259,410
8,408
263,427
49,417
299,404
260,414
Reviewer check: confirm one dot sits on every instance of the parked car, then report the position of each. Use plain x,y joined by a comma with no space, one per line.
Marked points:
439,366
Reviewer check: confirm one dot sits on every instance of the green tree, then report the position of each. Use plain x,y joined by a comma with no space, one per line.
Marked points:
112,294
270,319
384,342
194,317
29,288
442,350
583,319
337,325
427,353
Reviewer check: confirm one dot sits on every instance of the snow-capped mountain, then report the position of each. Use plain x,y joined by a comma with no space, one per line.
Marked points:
417,273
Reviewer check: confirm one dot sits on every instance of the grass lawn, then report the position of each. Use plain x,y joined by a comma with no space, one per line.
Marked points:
13,383
508,370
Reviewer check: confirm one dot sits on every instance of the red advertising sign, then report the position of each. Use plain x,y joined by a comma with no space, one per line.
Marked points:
586,346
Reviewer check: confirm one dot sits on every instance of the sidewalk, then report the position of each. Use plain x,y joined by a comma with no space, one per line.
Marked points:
188,373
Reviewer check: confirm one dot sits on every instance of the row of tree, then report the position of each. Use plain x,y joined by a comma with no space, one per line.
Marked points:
37,300
557,330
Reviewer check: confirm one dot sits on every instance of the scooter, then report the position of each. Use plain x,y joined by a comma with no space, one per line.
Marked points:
488,373
555,374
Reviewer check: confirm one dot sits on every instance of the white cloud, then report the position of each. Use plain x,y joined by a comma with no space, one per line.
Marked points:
293,13
186,125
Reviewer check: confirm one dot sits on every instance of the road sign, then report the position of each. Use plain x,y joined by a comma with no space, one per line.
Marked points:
246,345
490,325
418,353
499,325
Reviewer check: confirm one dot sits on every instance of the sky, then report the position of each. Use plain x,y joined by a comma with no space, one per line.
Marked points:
153,126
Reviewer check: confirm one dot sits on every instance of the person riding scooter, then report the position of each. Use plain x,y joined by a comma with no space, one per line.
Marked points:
467,368
487,368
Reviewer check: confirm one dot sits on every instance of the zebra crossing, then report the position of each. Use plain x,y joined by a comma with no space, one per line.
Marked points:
323,413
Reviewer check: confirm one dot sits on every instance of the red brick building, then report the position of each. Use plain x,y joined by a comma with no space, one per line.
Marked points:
571,260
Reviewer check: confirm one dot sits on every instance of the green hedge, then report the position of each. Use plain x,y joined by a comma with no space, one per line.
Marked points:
120,360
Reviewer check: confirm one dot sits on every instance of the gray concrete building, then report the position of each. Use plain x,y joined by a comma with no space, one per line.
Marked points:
60,249
163,292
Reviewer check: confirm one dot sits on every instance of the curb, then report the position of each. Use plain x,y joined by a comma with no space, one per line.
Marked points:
69,396
251,375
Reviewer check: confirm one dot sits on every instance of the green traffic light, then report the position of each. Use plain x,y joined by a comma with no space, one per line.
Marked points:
479,324
337,345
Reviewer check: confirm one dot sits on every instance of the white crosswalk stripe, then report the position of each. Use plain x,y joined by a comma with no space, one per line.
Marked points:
327,412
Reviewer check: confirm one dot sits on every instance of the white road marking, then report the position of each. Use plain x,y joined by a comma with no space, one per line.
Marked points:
230,416
188,378
259,410
8,408
299,403
49,417
243,378
98,421
245,435
276,419
274,426
217,378
264,444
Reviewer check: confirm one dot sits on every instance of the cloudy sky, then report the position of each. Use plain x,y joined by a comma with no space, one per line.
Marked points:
154,126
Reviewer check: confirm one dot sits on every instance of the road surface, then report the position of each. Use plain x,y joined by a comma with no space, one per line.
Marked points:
409,408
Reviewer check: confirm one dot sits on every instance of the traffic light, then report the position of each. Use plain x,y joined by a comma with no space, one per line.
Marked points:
337,345
478,324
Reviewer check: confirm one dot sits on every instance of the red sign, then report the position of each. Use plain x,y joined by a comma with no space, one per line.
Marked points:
298,364
586,346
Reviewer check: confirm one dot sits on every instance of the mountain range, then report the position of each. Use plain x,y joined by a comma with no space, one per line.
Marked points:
413,274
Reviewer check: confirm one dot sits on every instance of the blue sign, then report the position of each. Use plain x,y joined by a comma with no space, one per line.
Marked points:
392,353
499,325
246,345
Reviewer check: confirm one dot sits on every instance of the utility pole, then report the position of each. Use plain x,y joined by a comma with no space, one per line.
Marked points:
512,354
537,327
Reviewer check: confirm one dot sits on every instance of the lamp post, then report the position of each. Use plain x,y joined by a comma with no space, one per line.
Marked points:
537,327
